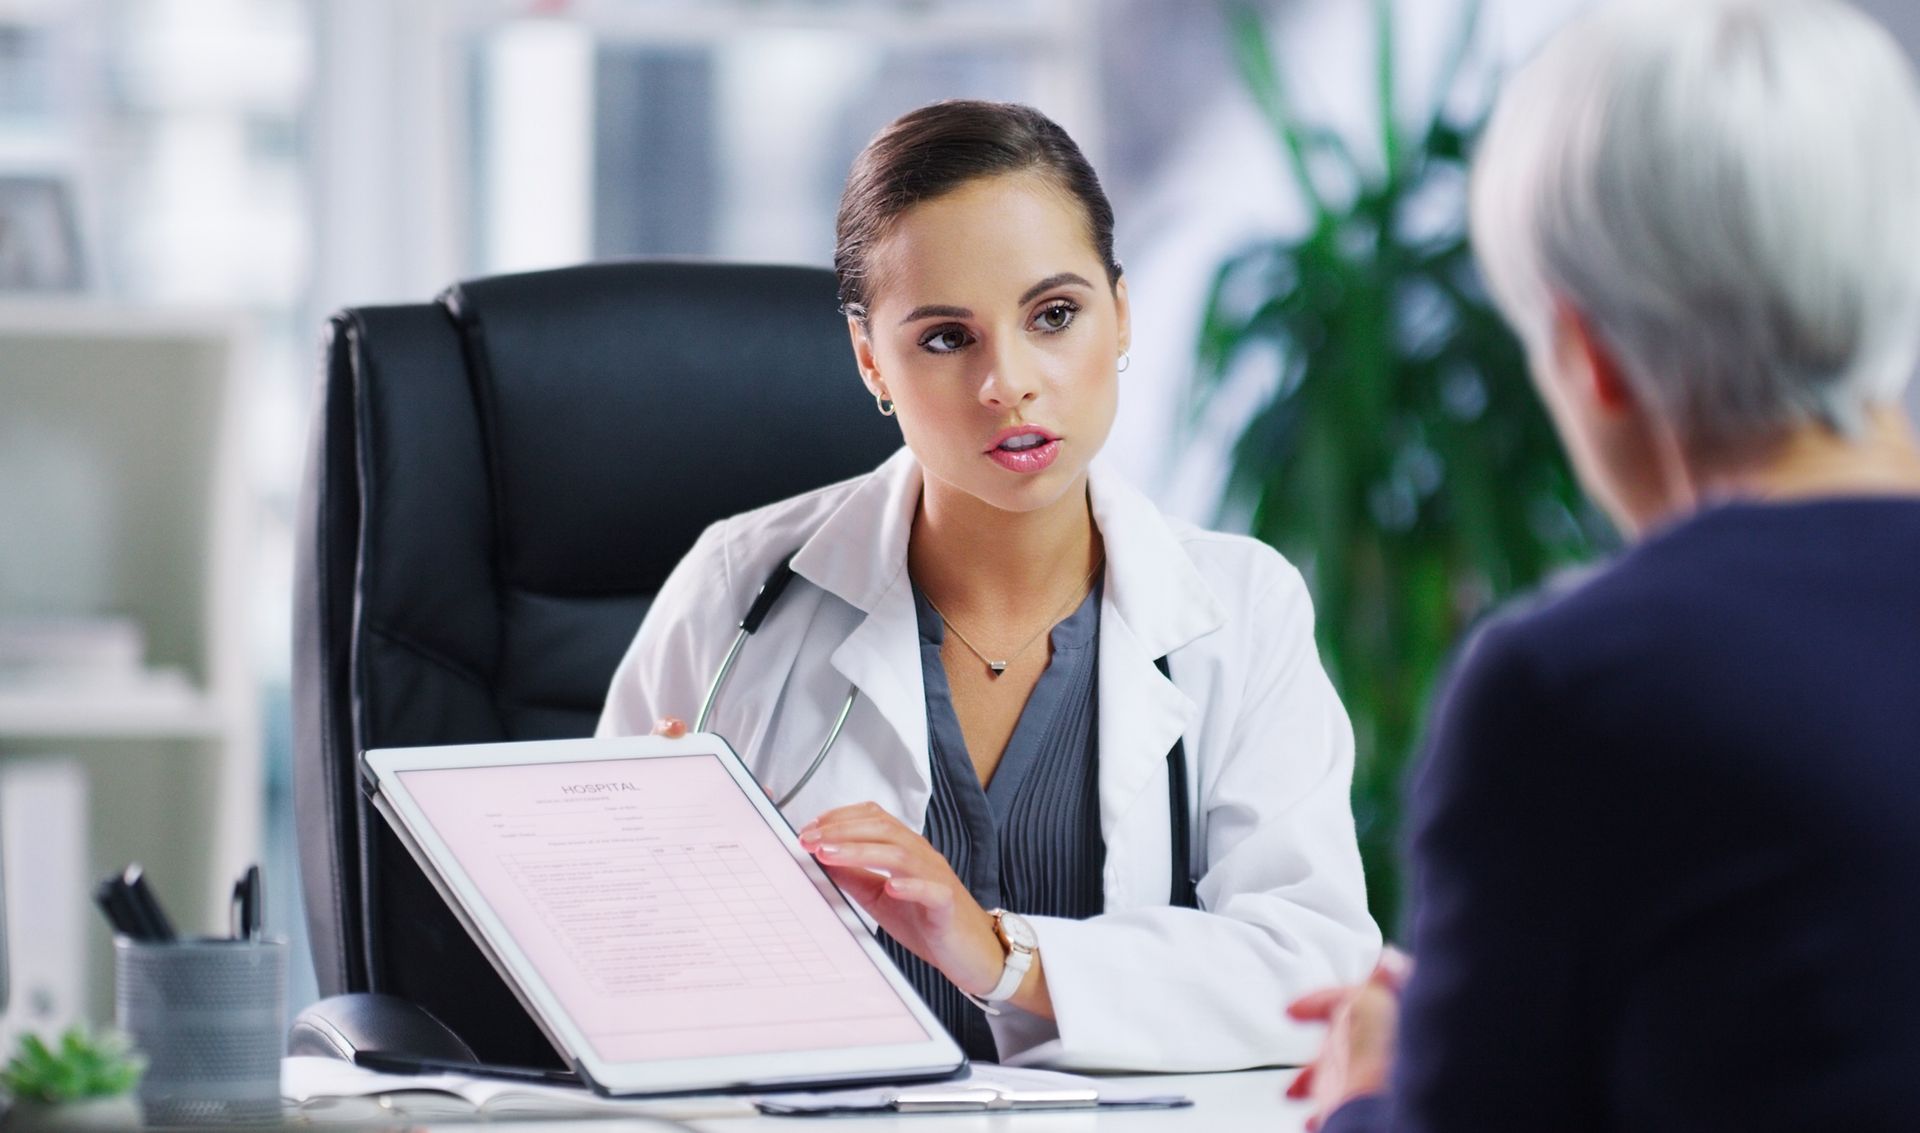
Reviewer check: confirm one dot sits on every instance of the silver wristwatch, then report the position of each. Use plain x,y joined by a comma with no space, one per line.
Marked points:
1018,938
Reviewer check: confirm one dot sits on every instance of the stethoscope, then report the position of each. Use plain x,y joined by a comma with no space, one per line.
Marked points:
1184,893
770,592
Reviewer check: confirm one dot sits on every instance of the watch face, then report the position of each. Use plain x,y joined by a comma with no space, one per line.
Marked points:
1018,932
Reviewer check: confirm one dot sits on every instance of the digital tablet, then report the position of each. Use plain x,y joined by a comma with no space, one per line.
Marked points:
656,915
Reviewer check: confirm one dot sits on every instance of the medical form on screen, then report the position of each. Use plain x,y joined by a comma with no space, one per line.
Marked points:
664,914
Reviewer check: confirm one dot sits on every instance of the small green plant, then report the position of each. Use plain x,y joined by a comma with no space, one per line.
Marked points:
85,1065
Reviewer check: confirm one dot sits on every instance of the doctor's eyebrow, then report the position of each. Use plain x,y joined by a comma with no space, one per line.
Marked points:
942,311
936,311
1059,279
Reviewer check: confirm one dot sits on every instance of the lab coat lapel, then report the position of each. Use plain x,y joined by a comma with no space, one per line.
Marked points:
860,555
1155,602
1141,714
881,657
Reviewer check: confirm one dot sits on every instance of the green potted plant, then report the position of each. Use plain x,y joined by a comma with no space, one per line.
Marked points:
84,1082
1401,459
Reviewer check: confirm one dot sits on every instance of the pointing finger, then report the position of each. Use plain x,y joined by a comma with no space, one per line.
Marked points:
1318,1005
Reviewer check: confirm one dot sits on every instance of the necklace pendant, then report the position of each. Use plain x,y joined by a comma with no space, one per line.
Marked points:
998,667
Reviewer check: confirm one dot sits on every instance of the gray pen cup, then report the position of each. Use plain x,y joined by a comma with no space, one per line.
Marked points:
210,1016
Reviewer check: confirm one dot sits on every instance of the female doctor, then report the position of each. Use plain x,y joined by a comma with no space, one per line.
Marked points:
1022,657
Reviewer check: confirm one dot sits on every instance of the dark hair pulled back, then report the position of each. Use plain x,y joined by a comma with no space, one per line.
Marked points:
936,149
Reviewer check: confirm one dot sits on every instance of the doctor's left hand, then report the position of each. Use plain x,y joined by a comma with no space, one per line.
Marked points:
899,878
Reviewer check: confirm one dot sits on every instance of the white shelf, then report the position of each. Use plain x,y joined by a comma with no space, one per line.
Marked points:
42,715
122,496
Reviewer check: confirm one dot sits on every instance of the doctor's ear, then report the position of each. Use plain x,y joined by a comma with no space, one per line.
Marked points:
869,369
863,354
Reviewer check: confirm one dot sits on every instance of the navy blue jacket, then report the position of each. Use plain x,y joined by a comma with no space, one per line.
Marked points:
1666,844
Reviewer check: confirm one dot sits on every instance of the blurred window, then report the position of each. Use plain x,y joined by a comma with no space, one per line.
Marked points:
683,128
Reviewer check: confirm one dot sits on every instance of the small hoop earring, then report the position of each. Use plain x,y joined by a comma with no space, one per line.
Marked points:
885,406
1125,361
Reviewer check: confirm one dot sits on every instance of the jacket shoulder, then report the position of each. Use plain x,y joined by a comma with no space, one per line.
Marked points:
752,543
1247,565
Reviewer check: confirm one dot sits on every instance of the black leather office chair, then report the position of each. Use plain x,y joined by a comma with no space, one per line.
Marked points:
498,483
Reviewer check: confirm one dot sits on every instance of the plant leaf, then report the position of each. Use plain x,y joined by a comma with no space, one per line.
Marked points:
1464,35
1384,88
84,1065
1262,77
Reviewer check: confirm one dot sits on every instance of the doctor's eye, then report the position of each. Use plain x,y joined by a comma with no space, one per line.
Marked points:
1055,316
947,339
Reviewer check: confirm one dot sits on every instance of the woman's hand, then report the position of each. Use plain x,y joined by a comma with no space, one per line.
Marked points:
1362,1022
899,878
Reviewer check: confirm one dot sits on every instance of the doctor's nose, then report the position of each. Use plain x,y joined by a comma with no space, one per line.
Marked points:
1009,383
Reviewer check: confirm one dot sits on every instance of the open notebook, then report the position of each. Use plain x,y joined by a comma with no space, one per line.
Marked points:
330,1091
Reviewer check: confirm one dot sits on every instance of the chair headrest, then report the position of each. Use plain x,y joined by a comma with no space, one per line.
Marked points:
629,404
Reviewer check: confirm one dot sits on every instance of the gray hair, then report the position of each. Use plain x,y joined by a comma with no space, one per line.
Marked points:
1729,192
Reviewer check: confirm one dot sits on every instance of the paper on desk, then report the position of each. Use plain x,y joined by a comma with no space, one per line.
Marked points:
329,1089
986,1086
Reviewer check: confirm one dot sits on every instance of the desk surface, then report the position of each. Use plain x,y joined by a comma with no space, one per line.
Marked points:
1249,1102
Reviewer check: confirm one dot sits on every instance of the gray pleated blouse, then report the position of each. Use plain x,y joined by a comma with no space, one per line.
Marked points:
1030,840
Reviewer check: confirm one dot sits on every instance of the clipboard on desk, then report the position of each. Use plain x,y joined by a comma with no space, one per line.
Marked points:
657,916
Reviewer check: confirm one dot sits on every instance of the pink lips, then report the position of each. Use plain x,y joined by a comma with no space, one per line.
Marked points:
1034,459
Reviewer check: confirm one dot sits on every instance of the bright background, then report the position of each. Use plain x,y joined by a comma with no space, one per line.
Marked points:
263,162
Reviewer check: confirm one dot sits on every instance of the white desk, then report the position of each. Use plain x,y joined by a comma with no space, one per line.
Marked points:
1249,1102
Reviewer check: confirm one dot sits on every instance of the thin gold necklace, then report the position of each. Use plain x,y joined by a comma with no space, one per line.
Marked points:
998,667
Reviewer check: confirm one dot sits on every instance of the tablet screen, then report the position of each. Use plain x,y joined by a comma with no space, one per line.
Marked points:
665,916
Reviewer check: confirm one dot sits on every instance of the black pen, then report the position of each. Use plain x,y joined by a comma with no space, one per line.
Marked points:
111,896
249,905
146,907
237,911
240,912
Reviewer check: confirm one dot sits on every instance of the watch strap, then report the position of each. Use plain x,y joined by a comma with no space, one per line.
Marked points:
1018,961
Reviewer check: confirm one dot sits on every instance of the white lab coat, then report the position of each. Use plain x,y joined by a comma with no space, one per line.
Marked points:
1142,986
